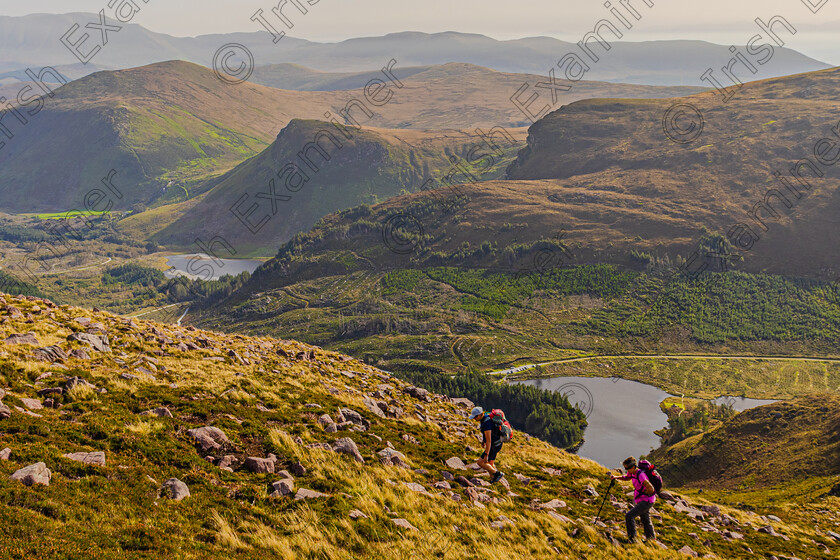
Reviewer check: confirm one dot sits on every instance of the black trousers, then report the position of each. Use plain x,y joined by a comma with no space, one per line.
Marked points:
642,509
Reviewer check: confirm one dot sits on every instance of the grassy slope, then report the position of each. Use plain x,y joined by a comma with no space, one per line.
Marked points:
775,453
168,121
372,165
115,511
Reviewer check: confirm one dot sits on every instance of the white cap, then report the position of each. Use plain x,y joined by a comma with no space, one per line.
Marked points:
476,412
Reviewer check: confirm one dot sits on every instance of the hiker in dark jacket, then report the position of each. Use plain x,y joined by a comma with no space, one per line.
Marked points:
492,443
644,496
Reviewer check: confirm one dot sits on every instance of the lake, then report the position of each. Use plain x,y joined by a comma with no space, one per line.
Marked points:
622,414
203,266
740,404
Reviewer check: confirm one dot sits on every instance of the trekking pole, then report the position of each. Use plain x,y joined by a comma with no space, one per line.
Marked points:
605,500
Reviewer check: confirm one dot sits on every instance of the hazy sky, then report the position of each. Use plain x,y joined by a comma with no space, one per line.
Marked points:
720,21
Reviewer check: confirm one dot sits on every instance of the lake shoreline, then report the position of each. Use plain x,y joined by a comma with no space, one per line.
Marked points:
181,265
623,415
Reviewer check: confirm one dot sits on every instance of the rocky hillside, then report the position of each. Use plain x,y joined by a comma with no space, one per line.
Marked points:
750,169
131,439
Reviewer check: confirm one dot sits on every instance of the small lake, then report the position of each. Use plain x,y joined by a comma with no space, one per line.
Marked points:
203,266
622,414
740,404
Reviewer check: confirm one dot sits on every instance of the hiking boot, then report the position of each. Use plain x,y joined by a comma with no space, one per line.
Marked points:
497,477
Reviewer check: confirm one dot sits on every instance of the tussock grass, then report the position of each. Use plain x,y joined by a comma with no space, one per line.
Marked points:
226,535
80,392
145,427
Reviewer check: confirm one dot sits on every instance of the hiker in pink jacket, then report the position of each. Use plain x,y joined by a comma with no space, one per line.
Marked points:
644,497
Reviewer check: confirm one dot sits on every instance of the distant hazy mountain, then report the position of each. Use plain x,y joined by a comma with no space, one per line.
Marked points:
301,78
33,41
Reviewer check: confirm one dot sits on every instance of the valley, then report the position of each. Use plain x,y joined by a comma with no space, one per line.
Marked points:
253,317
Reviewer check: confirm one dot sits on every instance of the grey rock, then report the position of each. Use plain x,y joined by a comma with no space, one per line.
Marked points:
98,342
160,412
32,404
327,423
175,489
553,505
455,463
260,465
404,524
711,510
5,411
522,479
28,338
464,482
94,458
390,452
33,474
79,354
209,437
5,454
373,406
227,462
284,487
50,354
351,415
559,517
356,514
304,494
348,447
418,393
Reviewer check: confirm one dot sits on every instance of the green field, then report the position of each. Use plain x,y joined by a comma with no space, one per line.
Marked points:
65,215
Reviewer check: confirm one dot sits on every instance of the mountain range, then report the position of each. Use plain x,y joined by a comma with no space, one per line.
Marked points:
175,124
33,41
597,237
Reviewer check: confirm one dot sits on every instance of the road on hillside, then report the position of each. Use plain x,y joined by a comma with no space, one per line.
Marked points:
525,367
159,309
51,272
